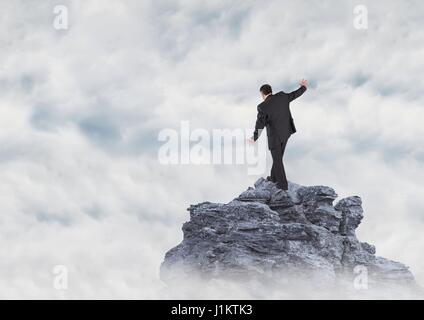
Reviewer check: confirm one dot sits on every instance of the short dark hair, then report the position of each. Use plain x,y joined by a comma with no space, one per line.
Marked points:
266,89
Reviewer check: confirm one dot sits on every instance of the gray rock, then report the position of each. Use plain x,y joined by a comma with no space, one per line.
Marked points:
351,211
277,235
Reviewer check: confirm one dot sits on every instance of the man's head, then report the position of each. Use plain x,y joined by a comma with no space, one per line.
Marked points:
265,90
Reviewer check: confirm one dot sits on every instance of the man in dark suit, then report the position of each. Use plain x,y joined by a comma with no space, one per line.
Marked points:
274,114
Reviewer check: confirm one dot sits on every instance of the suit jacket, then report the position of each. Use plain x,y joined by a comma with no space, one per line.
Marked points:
274,114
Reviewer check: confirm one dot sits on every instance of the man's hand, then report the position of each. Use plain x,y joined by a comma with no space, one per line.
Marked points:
303,83
250,141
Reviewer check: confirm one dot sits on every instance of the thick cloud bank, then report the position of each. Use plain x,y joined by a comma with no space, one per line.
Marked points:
81,109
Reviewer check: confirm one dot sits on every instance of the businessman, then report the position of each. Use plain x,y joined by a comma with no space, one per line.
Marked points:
274,114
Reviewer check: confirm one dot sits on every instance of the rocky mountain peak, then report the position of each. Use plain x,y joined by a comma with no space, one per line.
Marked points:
278,236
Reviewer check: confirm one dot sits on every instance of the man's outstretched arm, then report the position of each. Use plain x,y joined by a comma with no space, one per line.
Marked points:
297,93
261,122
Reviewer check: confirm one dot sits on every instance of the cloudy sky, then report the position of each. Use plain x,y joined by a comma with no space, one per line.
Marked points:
81,109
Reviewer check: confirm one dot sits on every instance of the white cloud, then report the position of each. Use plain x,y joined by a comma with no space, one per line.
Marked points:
81,108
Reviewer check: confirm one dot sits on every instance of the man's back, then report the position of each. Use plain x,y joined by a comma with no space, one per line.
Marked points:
279,121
